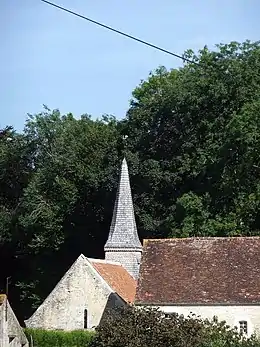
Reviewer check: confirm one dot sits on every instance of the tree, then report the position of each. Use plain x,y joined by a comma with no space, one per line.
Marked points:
146,327
15,173
193,133
65,207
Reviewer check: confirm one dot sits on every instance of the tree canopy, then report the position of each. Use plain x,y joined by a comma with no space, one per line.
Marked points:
192,141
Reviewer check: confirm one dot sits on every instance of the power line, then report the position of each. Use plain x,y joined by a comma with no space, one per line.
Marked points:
118,32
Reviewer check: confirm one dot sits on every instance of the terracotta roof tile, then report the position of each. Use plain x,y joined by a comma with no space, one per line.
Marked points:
118,279
200,271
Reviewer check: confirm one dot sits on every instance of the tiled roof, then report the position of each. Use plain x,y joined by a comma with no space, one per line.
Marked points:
200,271
2,298
118,279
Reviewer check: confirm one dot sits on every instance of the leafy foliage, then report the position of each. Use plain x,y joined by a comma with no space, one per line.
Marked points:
62,207
144,327
194,136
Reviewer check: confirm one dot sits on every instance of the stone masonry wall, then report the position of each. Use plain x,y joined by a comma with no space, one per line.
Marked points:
231,314
81,288
129,260
10,327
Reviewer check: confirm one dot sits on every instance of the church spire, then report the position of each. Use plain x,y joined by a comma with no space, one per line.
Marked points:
123,243
123,231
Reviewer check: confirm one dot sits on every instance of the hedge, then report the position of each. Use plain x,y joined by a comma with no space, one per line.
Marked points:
50,338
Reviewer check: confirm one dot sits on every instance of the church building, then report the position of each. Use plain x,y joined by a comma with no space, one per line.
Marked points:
208,276
92,286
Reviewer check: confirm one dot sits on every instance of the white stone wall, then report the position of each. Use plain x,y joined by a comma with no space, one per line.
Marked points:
3,327
231,314
10,327
15,343
80,288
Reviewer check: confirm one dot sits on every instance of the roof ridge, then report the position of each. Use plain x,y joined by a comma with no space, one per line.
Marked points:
201,238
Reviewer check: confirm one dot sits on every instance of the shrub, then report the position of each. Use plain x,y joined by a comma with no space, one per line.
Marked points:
50,338
144,327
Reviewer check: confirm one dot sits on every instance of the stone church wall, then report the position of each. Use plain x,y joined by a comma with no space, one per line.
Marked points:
231,314
129,260
77,302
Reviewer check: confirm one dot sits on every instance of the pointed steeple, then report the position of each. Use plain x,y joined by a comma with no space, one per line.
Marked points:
123,244
123,231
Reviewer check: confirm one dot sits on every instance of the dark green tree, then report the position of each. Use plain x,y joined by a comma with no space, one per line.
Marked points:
193,134
65,208
15,173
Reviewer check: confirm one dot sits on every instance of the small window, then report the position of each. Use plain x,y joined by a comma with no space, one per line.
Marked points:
243,327
85,319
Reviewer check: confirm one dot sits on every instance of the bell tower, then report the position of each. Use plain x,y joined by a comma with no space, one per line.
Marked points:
123,244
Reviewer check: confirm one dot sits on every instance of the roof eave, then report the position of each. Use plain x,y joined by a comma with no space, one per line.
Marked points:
144,303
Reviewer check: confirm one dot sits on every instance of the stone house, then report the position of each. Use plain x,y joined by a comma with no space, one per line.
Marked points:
205,276
11,333
92,286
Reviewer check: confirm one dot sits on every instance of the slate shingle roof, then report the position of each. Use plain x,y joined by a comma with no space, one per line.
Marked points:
118,279
200,271
123,232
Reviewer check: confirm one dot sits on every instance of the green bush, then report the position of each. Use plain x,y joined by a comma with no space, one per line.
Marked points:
50,338
136,327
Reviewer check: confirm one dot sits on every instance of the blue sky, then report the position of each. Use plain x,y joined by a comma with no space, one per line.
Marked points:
50,57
